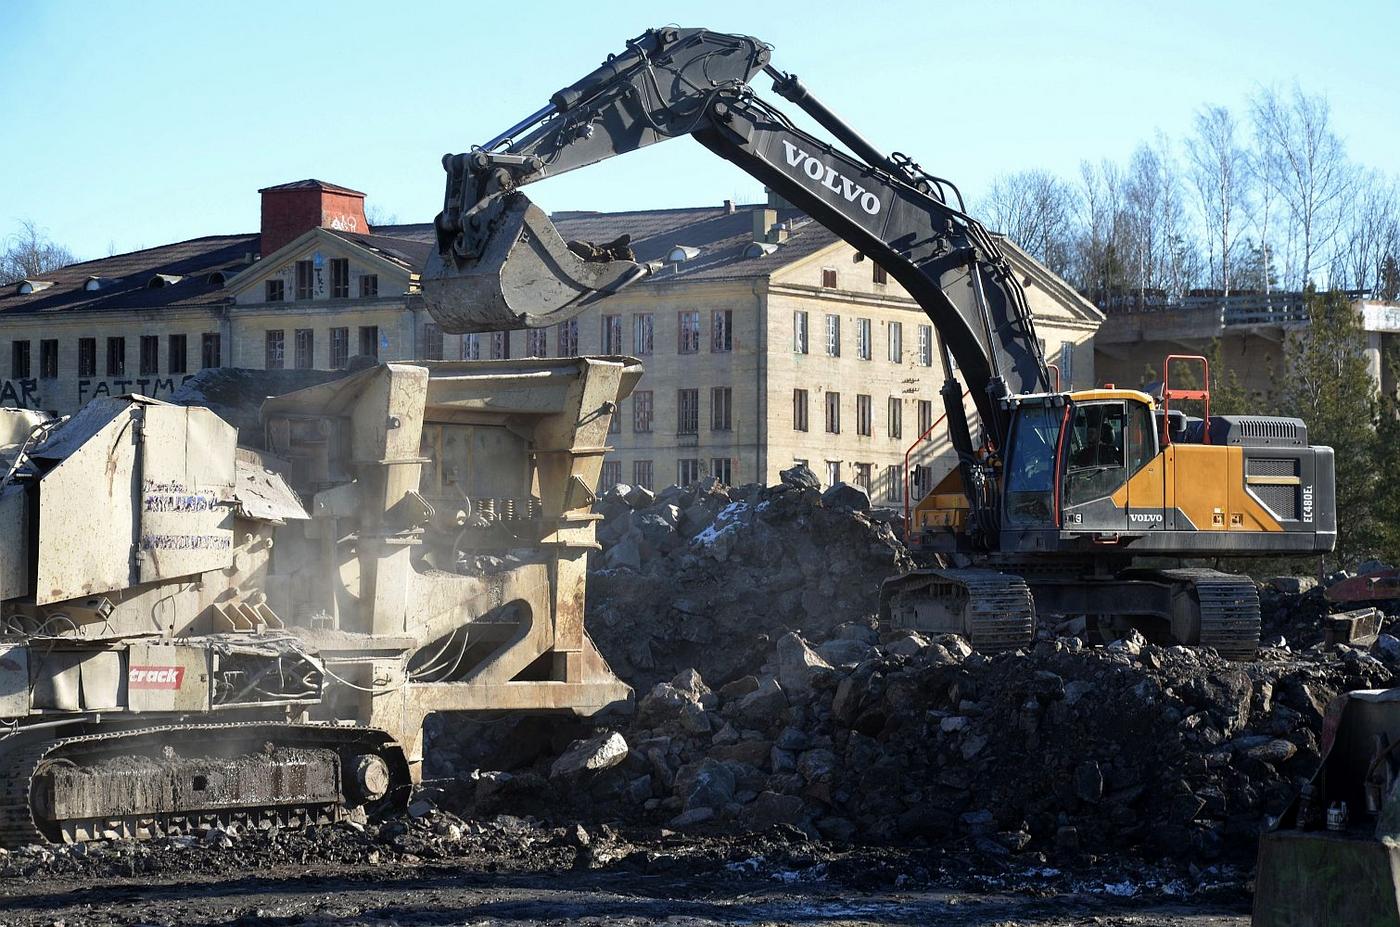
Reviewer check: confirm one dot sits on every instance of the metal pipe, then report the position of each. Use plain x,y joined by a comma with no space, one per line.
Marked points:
549,109
790,88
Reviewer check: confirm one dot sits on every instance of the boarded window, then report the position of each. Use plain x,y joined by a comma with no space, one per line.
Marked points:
305,348
878,275
177,360
276,349
829,277
641,410
48,359
116,357
687,411
306,279
340,347
150,355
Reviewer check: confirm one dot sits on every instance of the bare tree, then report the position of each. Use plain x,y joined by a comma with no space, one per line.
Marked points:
29,252
1102,242
1220,174
377,215
1157,234
1370,234
1308,168
1036,210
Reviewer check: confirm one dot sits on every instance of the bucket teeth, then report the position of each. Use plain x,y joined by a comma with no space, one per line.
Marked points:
525,276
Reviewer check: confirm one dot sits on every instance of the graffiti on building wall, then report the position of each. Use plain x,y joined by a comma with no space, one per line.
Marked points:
20,393
154,387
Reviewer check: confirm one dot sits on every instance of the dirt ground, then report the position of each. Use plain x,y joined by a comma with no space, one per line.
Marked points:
666,880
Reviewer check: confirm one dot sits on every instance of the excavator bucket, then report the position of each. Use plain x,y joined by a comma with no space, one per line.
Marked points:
523,274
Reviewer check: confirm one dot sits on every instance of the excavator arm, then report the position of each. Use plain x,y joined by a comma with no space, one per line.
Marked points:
502,265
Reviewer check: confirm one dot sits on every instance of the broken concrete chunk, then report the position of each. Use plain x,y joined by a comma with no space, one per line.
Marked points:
796,661
601,752
800,477
843,495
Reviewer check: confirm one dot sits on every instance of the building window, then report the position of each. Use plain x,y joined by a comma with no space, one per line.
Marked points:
643,330
116,357
611,475
921,479
48,359
212,350
87,357
925,416
276,344
896,336
176,360
833,413
276,291
799,410
863,476
722,331
500,345
687,332
641,410
833,336
863,415
340,347
536,342
471,347
894,478
19,359
721,408
863,349
687,411
432,341
895,424
150,355
369,286
611,337
799,332
306,279
833,472
568,338
615,422
829,277
878,275
641,473
1067,365
369,341
926,345
305,346
687,470
340,278
721,468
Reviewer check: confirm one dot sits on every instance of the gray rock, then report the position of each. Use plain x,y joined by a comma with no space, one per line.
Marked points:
844,652
626,553
691,817
800,477
1387,647
738,688
796,661
726,735
816,765
691,684
843,495
765,706
1291,585
907,644
978,822
712,785
663,703
639,497
771,808
1088,782
856,631
595,753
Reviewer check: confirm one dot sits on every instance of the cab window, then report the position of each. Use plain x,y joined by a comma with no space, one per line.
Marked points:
1142,438
1095,465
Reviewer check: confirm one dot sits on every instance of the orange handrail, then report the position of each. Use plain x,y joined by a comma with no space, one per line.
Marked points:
920,440
1168,394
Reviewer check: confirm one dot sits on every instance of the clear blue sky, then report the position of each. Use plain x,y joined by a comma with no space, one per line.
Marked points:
134,124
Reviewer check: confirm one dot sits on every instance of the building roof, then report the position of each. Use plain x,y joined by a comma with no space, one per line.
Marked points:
717,239
128,281
312,184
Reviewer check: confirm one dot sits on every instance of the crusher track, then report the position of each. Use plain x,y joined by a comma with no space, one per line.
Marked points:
1229,607
171,776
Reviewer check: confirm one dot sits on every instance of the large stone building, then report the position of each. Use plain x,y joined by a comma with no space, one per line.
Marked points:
767,340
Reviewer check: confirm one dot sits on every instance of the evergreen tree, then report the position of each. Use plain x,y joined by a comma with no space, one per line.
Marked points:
1329,387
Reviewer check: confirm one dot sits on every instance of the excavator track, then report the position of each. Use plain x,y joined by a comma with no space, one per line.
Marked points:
993,610
183,778
1229,611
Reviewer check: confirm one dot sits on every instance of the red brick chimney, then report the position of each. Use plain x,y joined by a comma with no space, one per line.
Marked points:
291,209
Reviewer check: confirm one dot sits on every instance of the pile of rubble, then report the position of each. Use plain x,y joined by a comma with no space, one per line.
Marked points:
709,576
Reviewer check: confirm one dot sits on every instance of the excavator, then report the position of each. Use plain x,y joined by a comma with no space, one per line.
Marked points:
1071,503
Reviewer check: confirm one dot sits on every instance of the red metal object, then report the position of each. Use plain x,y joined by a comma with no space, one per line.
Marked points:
1368,587
920,440
1056,368
1201,395
1059,458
